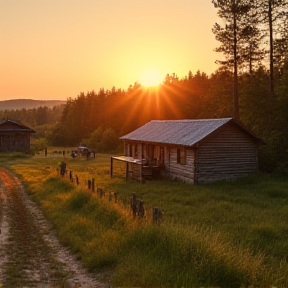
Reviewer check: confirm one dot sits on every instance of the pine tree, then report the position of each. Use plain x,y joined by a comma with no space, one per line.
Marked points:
273,13
231,37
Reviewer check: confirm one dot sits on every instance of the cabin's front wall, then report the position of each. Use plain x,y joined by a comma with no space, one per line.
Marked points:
154,155
228,154
165,156
14,142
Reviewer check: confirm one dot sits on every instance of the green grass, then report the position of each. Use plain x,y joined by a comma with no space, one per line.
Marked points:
226,234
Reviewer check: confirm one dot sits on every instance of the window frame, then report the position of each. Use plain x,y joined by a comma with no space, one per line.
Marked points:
181,156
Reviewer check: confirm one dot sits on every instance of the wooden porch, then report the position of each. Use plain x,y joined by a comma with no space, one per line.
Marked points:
137,169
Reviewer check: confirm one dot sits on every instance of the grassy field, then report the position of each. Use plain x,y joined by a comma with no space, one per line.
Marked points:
227,234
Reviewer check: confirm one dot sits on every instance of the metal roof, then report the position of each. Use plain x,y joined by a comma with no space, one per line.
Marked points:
179,132
14,127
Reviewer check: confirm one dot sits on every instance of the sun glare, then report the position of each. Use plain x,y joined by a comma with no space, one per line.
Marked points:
150,78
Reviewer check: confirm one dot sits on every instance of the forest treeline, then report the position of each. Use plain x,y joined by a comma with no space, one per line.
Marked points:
34,117
99,119
117,112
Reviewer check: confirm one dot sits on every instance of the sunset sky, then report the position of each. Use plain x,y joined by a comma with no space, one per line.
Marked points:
55,49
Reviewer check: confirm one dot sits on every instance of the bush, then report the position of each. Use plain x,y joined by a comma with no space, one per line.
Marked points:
95,139
110,140
103,141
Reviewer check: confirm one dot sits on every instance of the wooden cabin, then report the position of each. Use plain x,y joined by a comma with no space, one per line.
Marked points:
14,137
193,151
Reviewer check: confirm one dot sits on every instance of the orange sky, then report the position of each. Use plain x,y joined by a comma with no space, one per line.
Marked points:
55,49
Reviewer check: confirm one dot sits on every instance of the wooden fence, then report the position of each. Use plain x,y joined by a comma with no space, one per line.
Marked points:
133,205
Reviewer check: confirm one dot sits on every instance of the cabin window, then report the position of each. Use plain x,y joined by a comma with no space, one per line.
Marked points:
181,156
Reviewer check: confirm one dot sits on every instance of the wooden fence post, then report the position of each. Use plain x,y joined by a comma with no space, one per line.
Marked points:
141,210
137,206
93,184
133,204
63,169
157,215
77,180
115,197
100,192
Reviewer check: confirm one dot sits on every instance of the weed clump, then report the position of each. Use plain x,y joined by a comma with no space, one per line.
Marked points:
56,185
79,199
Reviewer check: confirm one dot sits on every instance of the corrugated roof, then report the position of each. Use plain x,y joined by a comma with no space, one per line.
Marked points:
13,126
180,132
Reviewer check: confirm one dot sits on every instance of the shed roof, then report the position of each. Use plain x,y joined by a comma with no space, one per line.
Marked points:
186,132
13,126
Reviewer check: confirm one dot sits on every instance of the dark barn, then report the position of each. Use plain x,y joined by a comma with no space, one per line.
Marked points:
14,137
194,151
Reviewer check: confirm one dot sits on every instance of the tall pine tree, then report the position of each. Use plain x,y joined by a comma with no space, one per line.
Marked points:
273,13
231,36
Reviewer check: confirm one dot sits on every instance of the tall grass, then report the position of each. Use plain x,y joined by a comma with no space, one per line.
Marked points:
171,256
228,234
146,255
241,210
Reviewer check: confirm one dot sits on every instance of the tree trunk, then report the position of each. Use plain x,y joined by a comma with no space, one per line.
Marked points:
235,90
271,78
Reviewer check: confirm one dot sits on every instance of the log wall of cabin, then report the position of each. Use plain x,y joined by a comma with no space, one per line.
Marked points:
182,172
227,154
171,167
14,142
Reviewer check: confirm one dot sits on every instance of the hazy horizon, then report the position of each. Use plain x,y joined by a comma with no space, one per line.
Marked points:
28,99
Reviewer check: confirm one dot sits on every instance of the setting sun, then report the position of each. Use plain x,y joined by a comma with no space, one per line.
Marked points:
150,78
140,44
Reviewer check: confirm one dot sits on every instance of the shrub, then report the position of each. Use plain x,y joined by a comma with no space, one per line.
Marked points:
110,140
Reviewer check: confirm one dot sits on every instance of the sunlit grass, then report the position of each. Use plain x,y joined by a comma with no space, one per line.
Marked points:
224,234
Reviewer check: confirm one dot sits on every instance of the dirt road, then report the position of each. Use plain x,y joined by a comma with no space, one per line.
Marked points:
30,253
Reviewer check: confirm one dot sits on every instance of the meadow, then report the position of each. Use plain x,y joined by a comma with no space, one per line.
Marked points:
226,234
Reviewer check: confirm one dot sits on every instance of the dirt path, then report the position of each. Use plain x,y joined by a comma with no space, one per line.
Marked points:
30,253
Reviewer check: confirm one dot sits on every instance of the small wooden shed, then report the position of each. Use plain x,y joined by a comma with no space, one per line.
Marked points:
195,151
14,137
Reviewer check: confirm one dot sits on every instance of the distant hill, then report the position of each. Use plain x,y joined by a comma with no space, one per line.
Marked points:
28,104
